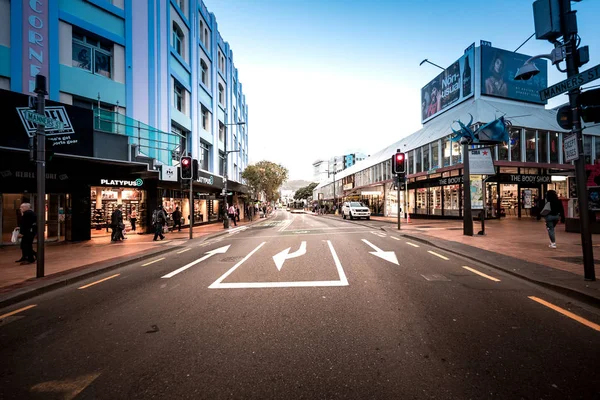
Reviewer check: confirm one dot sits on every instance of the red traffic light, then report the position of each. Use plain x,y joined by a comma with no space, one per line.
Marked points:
400,157
185,161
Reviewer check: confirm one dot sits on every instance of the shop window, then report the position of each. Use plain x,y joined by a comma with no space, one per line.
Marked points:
421,201
426,165
446,151
503,152
587,148
530,145
178,96
542,147
451,200
435,155
456,153
178,39
515,144
204,73
92,54
554,140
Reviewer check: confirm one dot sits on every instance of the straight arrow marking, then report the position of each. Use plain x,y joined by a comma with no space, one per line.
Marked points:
386,255
280,257
209,254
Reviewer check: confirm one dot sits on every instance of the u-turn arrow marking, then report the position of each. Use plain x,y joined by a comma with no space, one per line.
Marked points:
280,258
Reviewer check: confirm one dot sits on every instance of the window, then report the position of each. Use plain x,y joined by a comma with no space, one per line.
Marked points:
205,119
92,54
446,151
221,132
426,165
503,152
204,73
554,147
221,94
201,30
178,98
530,145
181,4
515,144
435,161
542,147
206,42
410,158
221,163
177,39
456,153
587,148
419,161
204,155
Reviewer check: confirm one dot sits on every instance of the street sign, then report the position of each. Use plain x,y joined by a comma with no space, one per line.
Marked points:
571,148
43,120
571,83
481,162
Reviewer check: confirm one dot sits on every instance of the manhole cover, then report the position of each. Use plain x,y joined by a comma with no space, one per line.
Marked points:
230,259
574,260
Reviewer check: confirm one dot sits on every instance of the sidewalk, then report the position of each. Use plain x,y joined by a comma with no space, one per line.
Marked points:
96,255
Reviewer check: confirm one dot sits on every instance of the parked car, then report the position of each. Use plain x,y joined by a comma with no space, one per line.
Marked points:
355,209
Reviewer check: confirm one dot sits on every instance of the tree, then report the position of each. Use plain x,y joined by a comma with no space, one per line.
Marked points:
305,192
265,177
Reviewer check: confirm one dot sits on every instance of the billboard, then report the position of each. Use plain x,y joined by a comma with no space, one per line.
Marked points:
498,69
451,87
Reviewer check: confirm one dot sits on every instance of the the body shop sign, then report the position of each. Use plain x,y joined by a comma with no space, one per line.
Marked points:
35,42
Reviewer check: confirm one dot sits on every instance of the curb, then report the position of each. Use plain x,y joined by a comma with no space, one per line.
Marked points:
570,292
85,271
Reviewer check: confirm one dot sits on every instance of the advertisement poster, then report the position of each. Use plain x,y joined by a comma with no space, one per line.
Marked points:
527,199
477,192
498,70
594,198
451,87
76,135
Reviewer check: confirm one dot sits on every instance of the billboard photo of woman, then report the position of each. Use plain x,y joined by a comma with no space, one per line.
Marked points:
495,84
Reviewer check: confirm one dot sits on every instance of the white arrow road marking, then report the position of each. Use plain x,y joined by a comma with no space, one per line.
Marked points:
218,283
209,254
280,258
386,255
380,234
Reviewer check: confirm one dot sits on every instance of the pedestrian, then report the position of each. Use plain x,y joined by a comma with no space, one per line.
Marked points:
553,212
116,224
159,218
265,210
176,215
27,232
133,218
231,213
237,213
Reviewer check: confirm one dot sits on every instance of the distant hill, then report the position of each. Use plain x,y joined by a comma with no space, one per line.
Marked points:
295,185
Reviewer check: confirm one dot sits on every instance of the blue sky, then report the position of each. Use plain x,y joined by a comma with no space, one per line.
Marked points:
328,77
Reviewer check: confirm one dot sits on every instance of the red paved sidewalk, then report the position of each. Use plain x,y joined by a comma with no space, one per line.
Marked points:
66,257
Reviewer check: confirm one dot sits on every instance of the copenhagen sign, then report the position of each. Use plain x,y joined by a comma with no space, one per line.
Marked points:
117,182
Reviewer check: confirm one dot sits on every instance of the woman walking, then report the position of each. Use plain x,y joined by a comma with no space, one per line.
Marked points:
553,212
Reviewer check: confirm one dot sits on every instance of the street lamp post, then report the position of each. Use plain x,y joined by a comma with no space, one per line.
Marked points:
225,216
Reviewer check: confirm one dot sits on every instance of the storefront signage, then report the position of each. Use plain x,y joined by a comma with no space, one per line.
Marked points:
35,42
571,148
348,186
521,178
168,173
209,179
371,193
498,68
454,85
32,175
117,182
454,180
481,162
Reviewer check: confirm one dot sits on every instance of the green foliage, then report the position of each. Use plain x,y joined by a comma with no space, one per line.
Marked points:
265,177
305,192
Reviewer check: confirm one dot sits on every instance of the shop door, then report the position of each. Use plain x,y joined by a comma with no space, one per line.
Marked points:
56,211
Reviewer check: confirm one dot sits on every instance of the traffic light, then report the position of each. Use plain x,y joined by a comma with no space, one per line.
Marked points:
589,101
195,169
398,163
186,168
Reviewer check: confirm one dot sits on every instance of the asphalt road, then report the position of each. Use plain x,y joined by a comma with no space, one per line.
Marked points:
348,312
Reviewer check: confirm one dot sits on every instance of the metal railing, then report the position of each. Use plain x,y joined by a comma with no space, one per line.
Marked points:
154,143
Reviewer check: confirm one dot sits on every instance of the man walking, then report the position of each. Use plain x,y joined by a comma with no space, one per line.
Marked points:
231,213
116,222
176,219
159,218
237,213
27,232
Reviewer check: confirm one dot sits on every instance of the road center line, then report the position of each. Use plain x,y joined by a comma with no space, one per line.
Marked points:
184,250
17,311
226,274
394,237
152,262
438,255
491,278
97,282
412,244
569,314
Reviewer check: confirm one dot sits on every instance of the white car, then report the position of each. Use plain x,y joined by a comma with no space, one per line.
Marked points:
354,209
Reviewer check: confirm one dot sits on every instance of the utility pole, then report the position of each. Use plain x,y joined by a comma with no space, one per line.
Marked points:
398,200
467,212
568,26
191,207
40,89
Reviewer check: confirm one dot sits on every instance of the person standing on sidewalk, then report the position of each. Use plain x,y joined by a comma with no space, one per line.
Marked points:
27,232
116,223
159,218
133,218
553,212
231,213
237,213
176,219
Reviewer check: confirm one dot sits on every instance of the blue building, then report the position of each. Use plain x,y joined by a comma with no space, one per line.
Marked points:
157,75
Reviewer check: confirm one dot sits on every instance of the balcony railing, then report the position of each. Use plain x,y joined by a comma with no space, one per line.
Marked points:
154,143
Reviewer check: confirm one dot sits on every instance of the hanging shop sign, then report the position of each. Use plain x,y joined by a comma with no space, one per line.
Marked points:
168,173
122,183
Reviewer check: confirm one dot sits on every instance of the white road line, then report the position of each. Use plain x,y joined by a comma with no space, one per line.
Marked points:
226,274
438,255
285,225
395,238
154,261
184,250
338,265
491,278
209,254
412,244
263,285
236,230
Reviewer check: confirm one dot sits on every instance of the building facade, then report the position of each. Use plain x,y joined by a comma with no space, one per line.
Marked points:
156,80
526,167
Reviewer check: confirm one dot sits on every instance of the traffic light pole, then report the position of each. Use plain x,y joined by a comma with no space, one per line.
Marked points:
569,33
191,209
398,200
40,89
